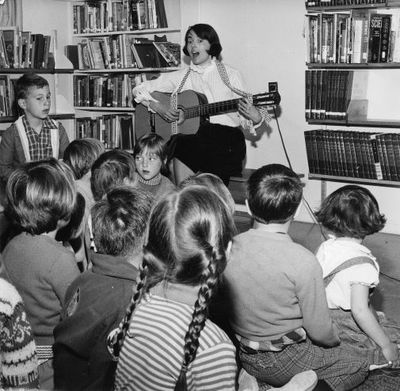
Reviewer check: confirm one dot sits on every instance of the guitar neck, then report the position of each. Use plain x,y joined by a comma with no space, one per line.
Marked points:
210,109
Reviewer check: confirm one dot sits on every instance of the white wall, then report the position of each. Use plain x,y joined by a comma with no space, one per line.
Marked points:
264,39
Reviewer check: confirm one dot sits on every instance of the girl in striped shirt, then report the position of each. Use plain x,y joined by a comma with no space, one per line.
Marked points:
165,341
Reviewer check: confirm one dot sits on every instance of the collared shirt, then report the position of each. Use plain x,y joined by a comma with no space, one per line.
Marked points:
39,143
205,80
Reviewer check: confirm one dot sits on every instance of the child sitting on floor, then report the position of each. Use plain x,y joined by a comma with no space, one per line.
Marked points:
96,301
351,272
275,290
40,200
150,160
166,338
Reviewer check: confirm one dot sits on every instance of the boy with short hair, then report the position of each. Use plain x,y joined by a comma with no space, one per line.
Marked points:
96,301
34,136
279,311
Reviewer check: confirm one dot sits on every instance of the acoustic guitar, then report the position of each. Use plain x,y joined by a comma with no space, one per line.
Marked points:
194,109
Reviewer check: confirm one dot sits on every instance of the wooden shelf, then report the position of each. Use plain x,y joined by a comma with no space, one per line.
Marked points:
133,32
365,181
366,66
31,70
95,108
124,70
7,119
361,123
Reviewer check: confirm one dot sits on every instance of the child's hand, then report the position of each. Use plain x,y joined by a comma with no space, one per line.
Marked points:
391,353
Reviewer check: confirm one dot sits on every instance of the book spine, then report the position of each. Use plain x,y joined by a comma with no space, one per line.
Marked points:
376,163
375,32
385,38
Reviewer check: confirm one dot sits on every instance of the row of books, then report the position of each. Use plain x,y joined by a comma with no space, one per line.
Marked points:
118,15
359,36
107,90
115,131
357,154
338,3
22,49
124,51
328,94
8,106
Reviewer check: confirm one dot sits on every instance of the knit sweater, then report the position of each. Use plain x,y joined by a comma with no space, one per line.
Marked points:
157,187
18,363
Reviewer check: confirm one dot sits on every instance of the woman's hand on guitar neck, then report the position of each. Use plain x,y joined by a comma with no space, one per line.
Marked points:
165,112
248,111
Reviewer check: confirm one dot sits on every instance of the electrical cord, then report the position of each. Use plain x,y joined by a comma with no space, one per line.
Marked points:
311,212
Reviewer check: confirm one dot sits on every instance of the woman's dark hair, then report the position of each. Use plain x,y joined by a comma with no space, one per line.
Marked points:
351,211
205,31
189,232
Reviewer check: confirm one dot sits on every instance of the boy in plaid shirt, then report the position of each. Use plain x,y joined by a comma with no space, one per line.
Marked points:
34,136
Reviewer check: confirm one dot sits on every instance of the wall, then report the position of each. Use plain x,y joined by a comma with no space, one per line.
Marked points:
264,39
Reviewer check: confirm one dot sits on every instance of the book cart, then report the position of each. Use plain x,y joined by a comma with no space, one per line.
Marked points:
353,72
119,44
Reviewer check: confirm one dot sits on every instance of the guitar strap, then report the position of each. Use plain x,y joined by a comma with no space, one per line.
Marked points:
174,100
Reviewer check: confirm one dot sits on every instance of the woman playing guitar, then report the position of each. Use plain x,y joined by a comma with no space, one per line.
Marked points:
218,145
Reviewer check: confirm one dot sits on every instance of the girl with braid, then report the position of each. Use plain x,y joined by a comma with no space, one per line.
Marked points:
165,341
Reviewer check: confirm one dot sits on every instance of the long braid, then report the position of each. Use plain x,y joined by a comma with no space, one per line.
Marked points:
116,340
199,317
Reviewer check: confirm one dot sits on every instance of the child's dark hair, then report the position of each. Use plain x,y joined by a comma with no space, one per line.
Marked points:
112,168
152,143
274,193
351,211
212,182
39,195
205,31
28,80
189,232
120,221
80,155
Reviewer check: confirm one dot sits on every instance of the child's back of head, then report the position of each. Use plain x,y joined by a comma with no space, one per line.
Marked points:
214,183
274,193
120,221
112,168
81,154
40,195
351,211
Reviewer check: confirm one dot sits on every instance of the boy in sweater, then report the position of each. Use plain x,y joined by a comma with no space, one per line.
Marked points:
279,312
96,301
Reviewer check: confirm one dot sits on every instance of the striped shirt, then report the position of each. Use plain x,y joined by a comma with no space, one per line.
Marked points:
152,353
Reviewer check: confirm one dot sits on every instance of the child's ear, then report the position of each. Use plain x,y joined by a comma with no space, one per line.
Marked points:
228,249
22,103
246,201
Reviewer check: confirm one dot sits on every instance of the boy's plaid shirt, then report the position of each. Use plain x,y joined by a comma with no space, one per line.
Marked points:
39,144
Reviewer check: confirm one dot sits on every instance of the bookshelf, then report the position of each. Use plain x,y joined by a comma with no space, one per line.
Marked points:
38,48
353,63
114,50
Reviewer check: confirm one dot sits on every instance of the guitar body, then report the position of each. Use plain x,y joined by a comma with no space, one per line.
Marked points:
194,110
145,121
